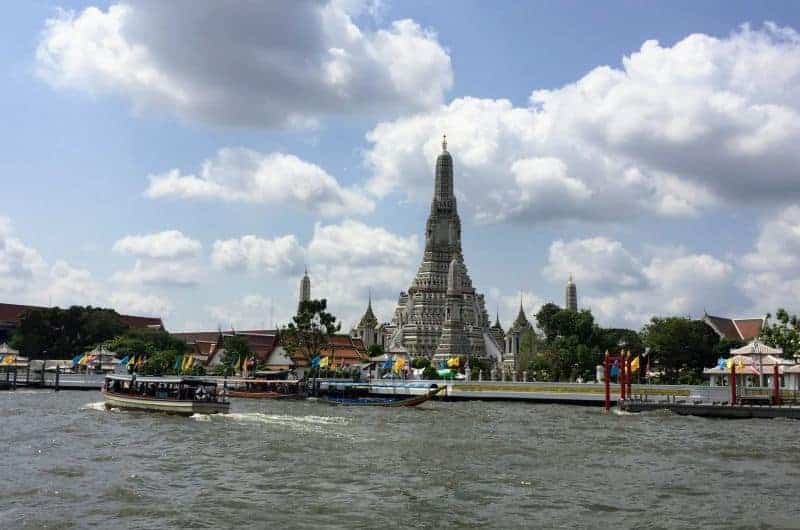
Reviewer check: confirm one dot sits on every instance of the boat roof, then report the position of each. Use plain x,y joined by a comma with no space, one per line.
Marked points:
169,380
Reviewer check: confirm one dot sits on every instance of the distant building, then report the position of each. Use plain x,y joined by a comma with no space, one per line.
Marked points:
11,314
305,289
497,330
744,329
571,296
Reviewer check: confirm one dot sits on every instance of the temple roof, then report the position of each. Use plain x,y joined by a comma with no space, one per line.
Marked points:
368,320
521,321
736,328
497,324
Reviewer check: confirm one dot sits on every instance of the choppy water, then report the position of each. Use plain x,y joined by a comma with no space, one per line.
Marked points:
68,463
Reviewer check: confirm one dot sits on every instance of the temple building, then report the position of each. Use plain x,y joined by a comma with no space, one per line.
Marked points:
368,330
514,339
571,296
744,329
442,314
497,330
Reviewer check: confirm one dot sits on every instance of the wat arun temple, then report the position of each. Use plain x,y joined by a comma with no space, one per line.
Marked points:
441,315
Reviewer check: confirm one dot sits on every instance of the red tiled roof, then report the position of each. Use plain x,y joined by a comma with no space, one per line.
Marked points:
13,312
262,341
735,328
749,328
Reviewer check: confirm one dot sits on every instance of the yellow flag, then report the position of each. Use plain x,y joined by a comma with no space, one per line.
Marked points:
453,362
729,363
740,364
324,362
399,364
635,364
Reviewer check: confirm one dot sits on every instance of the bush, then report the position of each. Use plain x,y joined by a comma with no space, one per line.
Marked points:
430,373
420,362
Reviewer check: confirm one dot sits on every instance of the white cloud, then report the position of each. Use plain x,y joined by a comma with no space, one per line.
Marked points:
244,175
675,131
281,254
138,303
283,64
627,290
599,262
251,312
157,272
355,243
20,265
67,285
166,244
771,279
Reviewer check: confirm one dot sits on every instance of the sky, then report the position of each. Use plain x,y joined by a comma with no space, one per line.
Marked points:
189,159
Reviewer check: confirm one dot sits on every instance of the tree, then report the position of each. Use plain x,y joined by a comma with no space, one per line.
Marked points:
678,343
236,348
545,319
784,333
310,330
430,373
376,350
55,333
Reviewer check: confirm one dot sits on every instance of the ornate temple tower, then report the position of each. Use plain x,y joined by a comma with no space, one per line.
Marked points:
367,328
305,289
571,297
419,320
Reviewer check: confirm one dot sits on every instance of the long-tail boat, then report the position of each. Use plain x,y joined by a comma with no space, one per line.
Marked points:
176,395
381,401
267,389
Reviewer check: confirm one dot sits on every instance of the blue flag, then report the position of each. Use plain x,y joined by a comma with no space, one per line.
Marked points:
76,359
615,369
721,363
387,364
175,366
315,362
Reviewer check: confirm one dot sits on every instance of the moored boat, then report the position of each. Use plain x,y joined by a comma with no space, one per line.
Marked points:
380,401
267,389
174,395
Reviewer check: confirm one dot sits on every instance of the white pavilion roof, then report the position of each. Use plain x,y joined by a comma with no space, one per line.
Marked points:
756,348
5,349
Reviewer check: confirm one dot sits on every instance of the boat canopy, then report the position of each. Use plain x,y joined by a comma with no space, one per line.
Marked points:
153,379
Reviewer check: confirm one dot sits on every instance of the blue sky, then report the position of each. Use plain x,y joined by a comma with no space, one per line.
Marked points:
663,176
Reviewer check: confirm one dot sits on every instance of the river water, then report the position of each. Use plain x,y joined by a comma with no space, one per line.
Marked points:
68,463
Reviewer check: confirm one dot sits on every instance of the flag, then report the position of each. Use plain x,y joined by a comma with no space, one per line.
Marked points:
635,364
122,361
323,363
399,364
442,365
453,362
178,362
185,362
77,359
615,369
729,363
387,364
85,359
132,361
8,359
315,362
721,363
190,363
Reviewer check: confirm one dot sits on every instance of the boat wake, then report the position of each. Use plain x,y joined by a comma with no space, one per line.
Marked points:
301,424
620,412
98,405
201,417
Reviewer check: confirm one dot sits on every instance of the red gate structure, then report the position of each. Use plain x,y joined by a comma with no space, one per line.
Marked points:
624,377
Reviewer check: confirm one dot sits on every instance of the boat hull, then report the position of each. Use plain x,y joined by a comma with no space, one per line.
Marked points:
261,395
382,401
182,407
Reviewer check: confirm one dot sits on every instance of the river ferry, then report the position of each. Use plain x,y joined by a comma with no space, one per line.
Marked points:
267,389
175,395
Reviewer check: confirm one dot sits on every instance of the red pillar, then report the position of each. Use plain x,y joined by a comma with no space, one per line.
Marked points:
629,376
776,386
733,384
621,378
606,380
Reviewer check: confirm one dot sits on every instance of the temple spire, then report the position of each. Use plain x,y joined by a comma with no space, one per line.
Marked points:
444,142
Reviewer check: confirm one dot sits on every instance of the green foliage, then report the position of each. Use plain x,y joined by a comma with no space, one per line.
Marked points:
420,362
430,373
310,330
680,344
236,347
546,320
375,350
159,363
54,333
784,333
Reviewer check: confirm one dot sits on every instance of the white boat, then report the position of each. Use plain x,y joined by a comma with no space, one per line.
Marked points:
174,395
